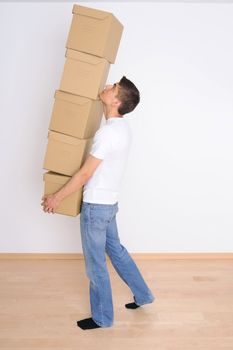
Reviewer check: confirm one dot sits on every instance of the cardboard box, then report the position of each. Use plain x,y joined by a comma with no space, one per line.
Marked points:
95,32
65,154
75,115
71,205
84,74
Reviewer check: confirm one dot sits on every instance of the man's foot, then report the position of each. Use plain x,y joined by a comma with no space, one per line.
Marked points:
87,323
132,305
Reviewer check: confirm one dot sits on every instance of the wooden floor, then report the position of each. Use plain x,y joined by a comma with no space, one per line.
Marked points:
41,300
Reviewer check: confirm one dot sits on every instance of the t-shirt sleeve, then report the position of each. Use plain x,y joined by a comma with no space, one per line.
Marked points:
102,143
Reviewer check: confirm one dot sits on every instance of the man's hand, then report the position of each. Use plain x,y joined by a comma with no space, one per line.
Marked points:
50,202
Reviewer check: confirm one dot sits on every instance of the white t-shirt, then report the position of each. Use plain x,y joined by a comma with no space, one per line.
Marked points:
112,144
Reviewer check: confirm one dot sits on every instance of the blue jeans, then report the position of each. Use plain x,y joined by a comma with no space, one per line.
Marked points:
99,235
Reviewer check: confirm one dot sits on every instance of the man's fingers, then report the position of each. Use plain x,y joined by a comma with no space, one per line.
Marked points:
48,210
46,205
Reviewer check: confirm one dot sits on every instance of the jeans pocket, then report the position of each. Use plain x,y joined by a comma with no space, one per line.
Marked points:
99,218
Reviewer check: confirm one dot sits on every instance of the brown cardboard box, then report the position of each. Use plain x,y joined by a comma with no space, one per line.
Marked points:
95,32
75,115
65,154
84,74
70,205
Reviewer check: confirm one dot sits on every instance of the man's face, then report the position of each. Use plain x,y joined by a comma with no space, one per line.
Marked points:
109,95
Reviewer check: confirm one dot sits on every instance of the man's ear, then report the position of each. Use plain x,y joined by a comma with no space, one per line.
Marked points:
116,103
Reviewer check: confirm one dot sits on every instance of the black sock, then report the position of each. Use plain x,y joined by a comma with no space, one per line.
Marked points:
87,323
132,305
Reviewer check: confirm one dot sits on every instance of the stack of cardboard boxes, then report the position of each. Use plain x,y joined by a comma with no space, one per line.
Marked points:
91,47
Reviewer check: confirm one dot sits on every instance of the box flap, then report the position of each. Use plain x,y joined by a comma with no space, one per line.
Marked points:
57,136
55,177
68,97
84,57
89,12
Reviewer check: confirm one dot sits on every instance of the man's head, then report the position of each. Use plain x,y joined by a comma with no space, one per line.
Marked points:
122,97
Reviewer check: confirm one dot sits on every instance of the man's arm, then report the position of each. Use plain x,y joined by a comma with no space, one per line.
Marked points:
79,178
51,202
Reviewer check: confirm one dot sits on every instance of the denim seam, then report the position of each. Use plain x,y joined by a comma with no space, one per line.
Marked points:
91,220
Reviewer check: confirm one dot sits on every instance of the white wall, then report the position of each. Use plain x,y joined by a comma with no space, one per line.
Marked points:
178,190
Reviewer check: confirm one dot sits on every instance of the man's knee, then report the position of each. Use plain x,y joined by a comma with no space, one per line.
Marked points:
96,269
119,252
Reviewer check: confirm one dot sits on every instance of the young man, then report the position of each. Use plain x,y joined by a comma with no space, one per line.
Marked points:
101,176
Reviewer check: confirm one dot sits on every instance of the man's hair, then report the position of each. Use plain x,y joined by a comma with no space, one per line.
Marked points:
128,95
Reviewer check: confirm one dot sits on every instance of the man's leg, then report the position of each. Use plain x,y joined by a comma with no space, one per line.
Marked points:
94,219
126,267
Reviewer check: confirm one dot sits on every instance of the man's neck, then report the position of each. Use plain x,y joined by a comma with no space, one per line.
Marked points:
111,113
